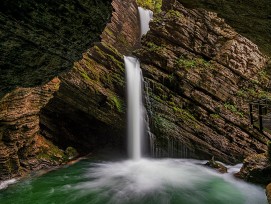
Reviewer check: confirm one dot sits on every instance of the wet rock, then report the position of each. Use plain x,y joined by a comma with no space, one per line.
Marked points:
256,169
268,193
199,74
217,166
19,126
37,47
71,153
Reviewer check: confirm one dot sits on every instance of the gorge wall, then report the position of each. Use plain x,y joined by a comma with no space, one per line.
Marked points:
199,76
39,40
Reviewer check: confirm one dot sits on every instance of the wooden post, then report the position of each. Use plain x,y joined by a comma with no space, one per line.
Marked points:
260,118
250,114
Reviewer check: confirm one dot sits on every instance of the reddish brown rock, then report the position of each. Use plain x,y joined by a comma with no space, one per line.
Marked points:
199,74
123,33
19,116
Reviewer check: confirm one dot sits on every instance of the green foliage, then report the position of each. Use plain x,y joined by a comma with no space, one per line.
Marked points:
186,63
154,5
184,114
173,14
233,109
84,74
117,103
153,47
193,63
241,93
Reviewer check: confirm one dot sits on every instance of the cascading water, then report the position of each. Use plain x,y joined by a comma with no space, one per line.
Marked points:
135,106
134,94
145,17
144,181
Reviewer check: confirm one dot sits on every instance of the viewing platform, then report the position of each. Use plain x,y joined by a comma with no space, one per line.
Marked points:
260,114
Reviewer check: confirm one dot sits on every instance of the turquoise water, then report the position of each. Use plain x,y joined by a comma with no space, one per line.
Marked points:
145,181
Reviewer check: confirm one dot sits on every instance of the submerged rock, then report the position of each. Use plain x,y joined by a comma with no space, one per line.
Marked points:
217,166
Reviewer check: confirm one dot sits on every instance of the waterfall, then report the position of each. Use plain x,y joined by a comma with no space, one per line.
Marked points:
145,17
134,81
135,106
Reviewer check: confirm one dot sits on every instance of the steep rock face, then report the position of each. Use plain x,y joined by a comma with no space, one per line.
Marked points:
268,193
21,146
123,33
249,18
199,74
194,67
40,39
88,111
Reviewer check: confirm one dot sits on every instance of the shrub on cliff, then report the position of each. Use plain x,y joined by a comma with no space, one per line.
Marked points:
154,5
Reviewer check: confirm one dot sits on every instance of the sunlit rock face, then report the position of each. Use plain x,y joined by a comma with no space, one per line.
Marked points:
200,75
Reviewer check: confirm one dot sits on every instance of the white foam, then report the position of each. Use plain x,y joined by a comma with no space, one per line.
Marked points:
132,179
5,184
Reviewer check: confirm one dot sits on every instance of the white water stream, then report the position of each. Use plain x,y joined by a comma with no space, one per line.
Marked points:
135,106
145,17
134,81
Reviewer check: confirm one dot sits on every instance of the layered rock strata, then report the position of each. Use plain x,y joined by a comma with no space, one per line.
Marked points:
200,76
21,145
90,104
39,40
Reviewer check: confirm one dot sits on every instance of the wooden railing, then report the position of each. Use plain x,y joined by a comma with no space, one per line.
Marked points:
260,114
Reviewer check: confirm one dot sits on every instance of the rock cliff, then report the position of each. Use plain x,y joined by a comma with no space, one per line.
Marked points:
39,40
199,75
